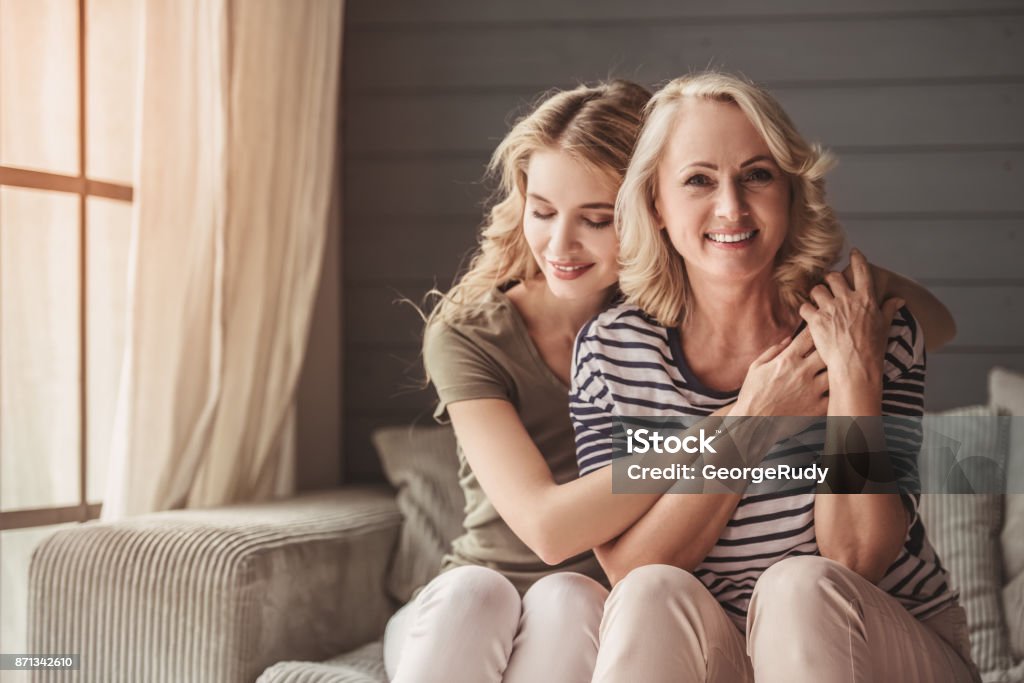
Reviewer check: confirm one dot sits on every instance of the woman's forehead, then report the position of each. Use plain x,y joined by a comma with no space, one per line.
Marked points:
562,178
713,132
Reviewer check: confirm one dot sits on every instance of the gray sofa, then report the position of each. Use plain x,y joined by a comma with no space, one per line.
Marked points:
276,591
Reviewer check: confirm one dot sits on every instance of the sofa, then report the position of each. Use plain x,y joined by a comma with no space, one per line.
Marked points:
299,590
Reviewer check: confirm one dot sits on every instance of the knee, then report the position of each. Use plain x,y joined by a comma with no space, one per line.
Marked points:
657,583
566,592
803,590
797,579
474,589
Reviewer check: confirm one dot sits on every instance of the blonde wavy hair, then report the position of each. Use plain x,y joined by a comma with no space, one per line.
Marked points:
652,274
598,125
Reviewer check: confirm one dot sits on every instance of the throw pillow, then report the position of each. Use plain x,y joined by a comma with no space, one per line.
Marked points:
422,463
1006,391
964,528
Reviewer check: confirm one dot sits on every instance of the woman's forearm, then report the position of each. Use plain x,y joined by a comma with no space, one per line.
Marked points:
556,521
863,531
682,528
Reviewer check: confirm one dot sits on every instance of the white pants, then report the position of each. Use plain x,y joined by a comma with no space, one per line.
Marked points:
470,625
810,619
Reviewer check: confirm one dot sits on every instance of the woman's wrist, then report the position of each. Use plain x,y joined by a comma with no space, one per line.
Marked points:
854,394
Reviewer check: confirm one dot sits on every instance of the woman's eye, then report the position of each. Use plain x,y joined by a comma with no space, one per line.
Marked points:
597,224
759,175
699,180
542,216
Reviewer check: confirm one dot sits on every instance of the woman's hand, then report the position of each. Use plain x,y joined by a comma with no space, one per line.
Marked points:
851,333
789,379
931,314
849,329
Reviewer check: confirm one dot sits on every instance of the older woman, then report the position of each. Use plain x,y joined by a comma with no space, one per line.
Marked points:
725,242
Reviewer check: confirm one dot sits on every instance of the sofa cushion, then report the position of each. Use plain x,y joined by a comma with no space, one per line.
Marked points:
422,463
363,665
1006,391
964,528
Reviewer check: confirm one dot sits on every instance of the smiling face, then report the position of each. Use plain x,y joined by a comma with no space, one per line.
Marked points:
721,197
568,223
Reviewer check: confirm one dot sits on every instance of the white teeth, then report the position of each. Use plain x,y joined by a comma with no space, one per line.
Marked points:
568,269
739,237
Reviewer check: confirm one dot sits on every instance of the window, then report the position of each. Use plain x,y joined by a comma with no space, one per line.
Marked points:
67,113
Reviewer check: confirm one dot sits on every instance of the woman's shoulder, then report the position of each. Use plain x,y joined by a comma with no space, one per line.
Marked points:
494,311
620,323
486,327
905,351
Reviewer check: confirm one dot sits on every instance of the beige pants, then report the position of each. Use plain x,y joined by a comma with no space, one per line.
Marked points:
810,619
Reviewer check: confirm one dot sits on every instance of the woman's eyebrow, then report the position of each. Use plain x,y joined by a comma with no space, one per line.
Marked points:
708,164
754,160
598,205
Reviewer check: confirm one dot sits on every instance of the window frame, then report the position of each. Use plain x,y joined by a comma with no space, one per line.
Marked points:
84,187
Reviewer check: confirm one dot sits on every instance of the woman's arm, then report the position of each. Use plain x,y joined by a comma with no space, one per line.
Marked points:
557,521
681,529
862,532
938,323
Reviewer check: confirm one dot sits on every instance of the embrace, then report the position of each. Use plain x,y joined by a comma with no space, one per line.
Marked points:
672,255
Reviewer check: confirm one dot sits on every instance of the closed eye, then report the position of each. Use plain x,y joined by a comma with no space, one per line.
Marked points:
542,216
597,224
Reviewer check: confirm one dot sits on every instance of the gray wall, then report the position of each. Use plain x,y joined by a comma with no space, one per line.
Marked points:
922,100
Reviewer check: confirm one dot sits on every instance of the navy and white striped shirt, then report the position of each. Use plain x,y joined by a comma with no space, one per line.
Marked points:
626,365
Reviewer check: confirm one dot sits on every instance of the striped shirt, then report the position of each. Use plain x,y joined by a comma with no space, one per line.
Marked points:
628,366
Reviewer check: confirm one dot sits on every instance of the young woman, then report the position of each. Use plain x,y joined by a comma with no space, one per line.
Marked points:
725,242
520,595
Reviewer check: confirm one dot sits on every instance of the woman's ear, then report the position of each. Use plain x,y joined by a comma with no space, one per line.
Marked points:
656,212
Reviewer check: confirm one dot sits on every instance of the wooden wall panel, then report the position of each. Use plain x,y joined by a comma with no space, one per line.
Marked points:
822,51
900,115
922,101
376,13
898,182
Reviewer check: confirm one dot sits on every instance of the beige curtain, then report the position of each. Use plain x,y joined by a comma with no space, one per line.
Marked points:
233,180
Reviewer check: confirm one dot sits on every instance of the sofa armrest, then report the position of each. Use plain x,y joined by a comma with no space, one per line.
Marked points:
218,594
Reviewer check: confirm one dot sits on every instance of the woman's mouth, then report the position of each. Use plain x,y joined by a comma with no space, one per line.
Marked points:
569,271
731,240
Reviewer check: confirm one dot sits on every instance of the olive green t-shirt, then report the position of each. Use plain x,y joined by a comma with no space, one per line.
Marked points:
490,355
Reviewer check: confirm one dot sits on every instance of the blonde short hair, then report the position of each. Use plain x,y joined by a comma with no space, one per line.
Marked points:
652,274
598,125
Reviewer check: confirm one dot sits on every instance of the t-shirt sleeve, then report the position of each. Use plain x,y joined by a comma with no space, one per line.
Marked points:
590,407
903,403
459,368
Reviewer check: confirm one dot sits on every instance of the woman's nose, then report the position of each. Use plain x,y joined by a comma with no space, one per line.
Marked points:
563,237
730,204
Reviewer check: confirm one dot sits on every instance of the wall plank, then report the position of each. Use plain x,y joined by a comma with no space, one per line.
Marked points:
962,379
942,249
923,101
371,13
892,183
385,322
791,52
935,249
901,115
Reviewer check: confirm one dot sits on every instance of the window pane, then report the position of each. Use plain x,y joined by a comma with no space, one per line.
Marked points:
15,552
111,48
39,84
39,383
109,224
